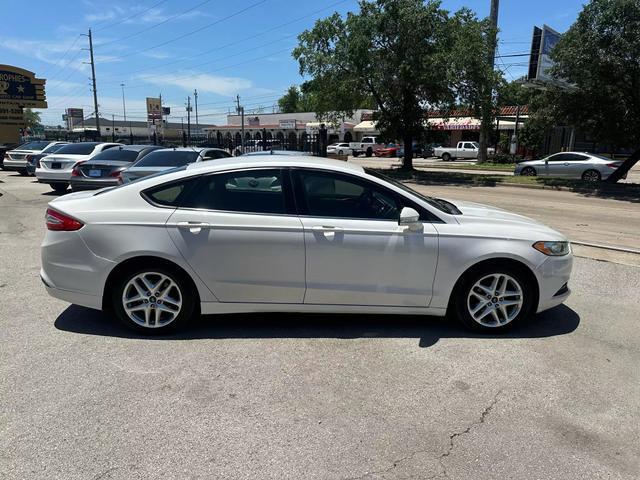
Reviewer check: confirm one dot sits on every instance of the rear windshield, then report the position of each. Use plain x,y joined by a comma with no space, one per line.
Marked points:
117,154
55,148
171,158
33,146
78,148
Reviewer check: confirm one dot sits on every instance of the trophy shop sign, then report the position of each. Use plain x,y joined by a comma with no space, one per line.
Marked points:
20,88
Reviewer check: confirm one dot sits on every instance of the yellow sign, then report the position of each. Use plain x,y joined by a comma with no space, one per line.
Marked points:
21,88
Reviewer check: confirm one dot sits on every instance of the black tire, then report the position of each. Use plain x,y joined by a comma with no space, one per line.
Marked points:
446,157
340,152
591,176
23,172
529,172
186,291
355,154
369,152
461,302
60,187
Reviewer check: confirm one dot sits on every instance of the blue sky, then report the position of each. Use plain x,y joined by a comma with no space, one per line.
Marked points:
221,48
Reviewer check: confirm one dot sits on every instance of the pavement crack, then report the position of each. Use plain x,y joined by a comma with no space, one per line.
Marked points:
390,467
453,436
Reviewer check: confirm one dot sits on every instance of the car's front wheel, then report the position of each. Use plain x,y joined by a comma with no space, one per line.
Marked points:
492,299
153,300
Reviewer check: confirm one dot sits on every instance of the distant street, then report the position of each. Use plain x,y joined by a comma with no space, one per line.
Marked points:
327,397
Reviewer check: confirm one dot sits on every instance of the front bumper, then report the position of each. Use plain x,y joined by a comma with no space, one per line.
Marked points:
553,278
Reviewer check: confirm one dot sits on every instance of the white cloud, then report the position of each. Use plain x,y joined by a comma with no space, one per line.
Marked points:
202,81
49,51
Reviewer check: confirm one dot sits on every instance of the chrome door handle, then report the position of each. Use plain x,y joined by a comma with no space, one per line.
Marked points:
191,225
566,164
325,228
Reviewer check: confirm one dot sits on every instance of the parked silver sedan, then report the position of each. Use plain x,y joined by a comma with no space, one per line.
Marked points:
585,166
168,158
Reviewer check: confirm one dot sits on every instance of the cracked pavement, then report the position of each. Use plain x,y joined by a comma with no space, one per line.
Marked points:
312,396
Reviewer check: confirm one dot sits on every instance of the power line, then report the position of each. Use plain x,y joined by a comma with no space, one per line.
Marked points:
132,16
250,37
166,20
63,55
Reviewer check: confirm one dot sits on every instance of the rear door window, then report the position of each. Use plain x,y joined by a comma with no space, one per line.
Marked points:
247,191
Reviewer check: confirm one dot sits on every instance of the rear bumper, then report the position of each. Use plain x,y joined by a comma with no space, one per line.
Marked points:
53,176
13,165
76,298
86,184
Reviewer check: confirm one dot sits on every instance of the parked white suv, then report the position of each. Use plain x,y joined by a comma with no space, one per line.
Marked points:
56,169
16,159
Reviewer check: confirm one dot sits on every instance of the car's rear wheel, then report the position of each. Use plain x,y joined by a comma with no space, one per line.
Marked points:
60,187
529,172
591,176
153,300
340,152
446,157
492,299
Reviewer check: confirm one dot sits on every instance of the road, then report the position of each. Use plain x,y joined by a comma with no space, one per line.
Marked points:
437,165
312,396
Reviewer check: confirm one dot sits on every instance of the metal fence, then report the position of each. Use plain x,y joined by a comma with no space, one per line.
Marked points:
299,141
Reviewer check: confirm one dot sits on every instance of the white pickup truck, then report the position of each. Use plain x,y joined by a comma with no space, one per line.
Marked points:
367,145
464,150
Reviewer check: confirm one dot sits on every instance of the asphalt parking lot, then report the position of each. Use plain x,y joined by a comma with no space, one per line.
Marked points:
312,396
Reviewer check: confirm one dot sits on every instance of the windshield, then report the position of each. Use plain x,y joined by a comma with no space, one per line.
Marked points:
168,158
33,146
117,154
84,148
442,205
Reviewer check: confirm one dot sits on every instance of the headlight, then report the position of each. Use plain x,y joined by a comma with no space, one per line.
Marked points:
554,249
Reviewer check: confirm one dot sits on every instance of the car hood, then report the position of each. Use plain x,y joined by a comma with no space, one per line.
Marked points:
502,223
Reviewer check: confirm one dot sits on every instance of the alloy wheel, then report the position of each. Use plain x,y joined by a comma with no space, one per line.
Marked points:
495,300
152,299
591,176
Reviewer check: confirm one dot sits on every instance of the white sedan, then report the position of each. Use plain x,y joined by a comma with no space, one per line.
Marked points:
56,169
295,234
339,149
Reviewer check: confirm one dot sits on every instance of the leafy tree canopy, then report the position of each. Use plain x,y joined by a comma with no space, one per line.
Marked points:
407,56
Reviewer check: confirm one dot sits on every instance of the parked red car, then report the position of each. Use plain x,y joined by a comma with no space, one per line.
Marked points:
390,150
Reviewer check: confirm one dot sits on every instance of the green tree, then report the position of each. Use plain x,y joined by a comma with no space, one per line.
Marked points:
396,52
31,118
599,58
288,103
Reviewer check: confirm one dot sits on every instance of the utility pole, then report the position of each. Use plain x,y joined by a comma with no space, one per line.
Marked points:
93,81
241,113
487,101
189,120
195,96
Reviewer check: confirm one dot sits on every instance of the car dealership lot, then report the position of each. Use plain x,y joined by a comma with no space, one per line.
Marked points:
312,396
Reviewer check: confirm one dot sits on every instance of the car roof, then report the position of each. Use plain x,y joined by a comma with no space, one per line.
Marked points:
274,161
263,153
186,149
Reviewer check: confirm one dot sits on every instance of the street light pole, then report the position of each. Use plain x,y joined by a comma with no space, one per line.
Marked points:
124,110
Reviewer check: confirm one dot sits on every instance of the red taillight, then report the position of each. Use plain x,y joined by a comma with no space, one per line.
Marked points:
613,165
117,176
60,222
75,172
28,158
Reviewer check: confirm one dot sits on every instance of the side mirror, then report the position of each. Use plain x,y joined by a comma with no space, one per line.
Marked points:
410,218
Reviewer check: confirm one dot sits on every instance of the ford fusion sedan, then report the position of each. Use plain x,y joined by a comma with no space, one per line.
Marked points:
105,169
168,158
18,158
56,169
282,234
586,166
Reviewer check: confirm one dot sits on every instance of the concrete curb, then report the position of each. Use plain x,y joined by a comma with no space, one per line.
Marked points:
607,247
